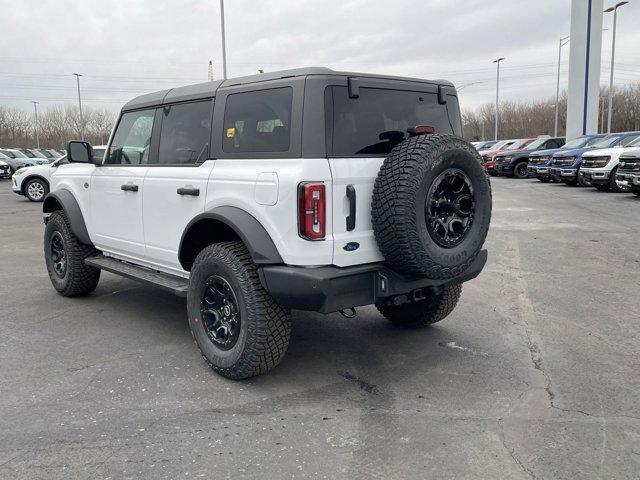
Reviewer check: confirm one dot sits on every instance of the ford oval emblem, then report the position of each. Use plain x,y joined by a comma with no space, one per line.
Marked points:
351,246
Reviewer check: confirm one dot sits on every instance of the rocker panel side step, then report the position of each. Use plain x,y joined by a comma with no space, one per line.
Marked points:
176,285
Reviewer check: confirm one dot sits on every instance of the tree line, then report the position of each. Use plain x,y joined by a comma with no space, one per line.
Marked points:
530,119
56,126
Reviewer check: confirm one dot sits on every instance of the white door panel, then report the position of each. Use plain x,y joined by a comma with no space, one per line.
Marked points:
166,213
361,173
116,214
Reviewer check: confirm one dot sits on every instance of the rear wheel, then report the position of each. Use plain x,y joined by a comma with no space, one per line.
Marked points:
36,189
431,206
239,328
64,256
434,308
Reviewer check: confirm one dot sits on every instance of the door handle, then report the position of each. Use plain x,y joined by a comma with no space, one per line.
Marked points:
129,187
351,218
194,192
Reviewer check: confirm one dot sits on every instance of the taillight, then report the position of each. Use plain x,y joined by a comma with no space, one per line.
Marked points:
311,211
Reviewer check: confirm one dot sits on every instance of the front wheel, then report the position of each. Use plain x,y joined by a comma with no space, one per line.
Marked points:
434,308
583,182
36,189
613,185
64,256
239,328
520,170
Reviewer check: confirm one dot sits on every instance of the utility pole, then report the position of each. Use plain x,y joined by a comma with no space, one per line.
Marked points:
613,9
80,106
224,49
497,62
561,44
35,110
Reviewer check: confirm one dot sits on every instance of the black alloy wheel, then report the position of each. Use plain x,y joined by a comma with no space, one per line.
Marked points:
220,313
450,208
58,254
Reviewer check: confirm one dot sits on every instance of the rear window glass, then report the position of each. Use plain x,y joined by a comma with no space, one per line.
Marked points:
258,121
378,119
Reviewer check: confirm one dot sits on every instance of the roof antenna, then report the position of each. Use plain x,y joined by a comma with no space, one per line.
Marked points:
210,72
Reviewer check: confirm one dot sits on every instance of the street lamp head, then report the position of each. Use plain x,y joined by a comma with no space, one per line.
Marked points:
619,4
77,74
498,60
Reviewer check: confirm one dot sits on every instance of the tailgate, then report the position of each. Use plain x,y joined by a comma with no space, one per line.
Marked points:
360,173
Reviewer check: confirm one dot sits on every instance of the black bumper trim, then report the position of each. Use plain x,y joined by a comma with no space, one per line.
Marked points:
330,289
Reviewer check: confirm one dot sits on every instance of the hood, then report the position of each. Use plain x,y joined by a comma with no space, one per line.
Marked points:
543,153
490,153
607,151
570,152
514,153
630,153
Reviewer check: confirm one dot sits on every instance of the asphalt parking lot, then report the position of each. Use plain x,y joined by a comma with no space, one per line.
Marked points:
536,374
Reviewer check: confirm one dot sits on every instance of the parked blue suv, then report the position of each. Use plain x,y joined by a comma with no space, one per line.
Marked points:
540,162
566,163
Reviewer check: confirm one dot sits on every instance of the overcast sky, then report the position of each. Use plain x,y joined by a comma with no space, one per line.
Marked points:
125,48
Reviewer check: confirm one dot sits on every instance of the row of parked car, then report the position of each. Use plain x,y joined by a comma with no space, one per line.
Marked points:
32,178
606,162
12,159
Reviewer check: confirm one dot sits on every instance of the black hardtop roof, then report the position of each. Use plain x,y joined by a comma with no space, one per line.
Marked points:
208,89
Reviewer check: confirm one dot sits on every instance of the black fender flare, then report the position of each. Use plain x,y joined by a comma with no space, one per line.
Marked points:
258,241
64,199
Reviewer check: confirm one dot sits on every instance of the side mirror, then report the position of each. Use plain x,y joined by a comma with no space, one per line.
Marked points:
79,152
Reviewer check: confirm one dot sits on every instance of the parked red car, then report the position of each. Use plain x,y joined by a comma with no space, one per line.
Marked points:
489,156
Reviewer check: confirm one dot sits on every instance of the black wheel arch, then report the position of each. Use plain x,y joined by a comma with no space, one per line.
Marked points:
64,200
226,223
26,181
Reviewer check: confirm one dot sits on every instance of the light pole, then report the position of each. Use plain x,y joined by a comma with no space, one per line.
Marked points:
35,110
497,62
613,9
80,106
224,49
562,43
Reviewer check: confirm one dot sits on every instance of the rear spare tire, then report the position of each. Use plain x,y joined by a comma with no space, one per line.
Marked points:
431,206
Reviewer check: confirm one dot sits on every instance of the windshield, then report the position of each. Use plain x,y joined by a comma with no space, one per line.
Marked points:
2,155
37,154
631,141
28,153
606,141
19,154
500,144
536,144
46,153
580,142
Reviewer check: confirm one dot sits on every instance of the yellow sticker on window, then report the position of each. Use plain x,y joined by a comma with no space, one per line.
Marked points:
231,132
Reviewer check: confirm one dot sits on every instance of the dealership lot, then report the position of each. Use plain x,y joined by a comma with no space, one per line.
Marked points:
534,375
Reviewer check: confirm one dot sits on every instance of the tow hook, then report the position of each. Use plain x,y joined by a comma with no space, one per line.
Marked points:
349,312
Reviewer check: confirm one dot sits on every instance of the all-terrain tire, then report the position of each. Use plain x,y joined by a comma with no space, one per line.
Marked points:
78,278
425,312
399,211
35,190
265,327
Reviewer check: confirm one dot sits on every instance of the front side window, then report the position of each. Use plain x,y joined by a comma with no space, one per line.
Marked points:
630,141
186,129
378,119
258,121
130,145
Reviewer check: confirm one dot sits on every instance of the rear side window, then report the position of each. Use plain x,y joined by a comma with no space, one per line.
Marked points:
258,121
378,119
130,144
186,129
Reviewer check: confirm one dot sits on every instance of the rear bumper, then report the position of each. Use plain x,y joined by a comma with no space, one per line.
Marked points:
330,289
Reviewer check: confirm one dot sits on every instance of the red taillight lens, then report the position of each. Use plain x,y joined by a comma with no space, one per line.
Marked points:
311,211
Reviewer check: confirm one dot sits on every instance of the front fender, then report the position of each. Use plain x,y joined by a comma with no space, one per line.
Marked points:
64,199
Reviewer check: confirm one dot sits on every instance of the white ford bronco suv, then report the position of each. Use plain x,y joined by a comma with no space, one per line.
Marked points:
304,189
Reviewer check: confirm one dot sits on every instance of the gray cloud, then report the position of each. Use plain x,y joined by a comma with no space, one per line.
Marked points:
125,48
